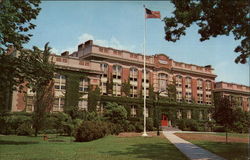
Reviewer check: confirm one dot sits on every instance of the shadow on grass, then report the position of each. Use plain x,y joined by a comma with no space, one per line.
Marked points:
230,150
17,143
158,151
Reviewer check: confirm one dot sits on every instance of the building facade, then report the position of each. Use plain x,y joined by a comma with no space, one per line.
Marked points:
110,70
240,94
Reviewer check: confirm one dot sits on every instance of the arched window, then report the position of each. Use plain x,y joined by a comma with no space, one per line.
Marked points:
162,81
104,69
208,85
117,72
133,74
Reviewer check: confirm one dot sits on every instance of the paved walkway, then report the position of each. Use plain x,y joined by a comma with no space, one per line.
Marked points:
192,151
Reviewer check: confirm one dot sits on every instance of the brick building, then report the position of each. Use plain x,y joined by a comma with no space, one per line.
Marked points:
239,93
109,69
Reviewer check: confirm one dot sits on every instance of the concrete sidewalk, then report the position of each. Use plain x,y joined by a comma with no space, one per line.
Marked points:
192,151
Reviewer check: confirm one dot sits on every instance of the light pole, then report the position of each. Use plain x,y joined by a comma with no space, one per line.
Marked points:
157,110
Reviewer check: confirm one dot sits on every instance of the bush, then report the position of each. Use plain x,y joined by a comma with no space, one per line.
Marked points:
138,126
150,124
188,125
91,130
25,130
219,129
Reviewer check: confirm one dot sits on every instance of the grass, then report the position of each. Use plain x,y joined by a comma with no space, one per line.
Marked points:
108,148
230,151
240,135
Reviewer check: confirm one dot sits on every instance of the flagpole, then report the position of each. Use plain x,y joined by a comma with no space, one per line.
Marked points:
144,75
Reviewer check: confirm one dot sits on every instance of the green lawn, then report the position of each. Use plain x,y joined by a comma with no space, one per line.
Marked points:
108,148
241,135
230,151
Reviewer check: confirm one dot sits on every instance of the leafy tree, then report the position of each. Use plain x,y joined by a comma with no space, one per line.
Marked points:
15,22
40,72
115,113
214,18
223,113
126,88
171,89
94,96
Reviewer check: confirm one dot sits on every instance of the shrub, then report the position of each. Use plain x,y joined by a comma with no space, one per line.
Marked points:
138,126
150,124
25,130
91,130
219,129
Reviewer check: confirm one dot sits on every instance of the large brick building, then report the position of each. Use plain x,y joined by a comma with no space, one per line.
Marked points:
101,67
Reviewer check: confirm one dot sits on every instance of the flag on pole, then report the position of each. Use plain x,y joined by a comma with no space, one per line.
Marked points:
152,14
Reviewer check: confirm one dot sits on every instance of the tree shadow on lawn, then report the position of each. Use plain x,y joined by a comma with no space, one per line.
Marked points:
158,151
3,142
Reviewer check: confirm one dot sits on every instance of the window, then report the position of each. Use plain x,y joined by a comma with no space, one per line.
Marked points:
117,89
179,115
117,72
133,91
103,88
208,99
178,81
200,98
162,81
179,96
189,97
201,115
104,68
208,85
133,111
58,104
147,77
60,82
189,114
133,74
29,103
83,86
188,82
83,105
199,84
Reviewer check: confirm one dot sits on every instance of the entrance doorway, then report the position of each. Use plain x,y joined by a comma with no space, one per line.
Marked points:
164,121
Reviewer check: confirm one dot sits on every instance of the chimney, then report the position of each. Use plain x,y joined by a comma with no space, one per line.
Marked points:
66,53
80,46
89,42
208,66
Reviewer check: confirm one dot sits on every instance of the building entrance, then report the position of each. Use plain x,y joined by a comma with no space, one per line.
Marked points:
164,120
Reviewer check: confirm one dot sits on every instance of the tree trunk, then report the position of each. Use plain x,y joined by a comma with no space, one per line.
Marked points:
226,136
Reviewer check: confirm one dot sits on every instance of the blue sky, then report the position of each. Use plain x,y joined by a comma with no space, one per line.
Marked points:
120,25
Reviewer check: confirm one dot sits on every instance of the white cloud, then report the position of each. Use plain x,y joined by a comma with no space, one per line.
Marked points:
113,43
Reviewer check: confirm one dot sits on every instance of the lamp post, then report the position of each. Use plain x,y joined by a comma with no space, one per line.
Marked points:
157,109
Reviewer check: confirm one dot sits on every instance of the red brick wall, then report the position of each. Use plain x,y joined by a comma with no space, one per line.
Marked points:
20,101
204,91
194,89
183,87
125,74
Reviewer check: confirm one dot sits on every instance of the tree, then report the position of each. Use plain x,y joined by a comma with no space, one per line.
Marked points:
39,73
214,18
126,88
171,88
115,113
94,96
15,22
223,113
